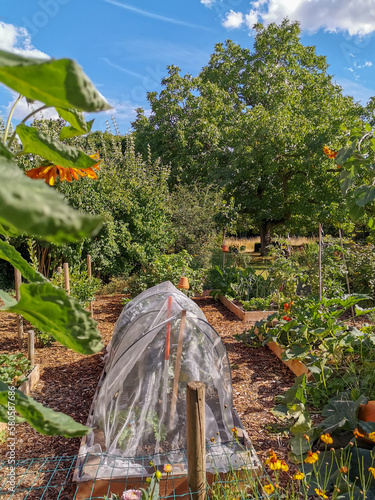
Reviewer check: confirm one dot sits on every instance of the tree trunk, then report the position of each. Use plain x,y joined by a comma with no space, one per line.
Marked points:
265,237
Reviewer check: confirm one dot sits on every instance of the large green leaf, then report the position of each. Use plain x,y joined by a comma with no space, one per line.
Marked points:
58,83
53,311
31,207
44,420
51,149
356,212
364,195
344,154
79,126
9,253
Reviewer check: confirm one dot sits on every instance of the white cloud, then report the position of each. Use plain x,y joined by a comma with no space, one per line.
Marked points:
233,19
124,110
350,16
367,63
208,3
17,40
251,18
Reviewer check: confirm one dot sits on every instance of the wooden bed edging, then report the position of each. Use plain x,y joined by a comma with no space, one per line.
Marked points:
244,315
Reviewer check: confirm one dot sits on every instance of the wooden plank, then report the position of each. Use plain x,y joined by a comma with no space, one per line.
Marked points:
196,439
32,379
66,277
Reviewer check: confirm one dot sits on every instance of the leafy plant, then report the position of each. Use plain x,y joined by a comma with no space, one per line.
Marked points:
81,286
168,268
237,283
13,368
32,208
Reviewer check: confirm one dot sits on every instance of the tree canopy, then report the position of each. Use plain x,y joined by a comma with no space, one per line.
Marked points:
255,122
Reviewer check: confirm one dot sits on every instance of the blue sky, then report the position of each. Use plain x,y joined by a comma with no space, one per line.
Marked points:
125,46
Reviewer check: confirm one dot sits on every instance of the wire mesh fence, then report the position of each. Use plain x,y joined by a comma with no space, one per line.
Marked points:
74,478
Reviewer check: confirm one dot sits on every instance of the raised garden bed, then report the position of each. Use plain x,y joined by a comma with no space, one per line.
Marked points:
244,315
294,365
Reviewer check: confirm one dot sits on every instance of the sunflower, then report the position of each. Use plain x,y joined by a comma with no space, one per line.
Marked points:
49,172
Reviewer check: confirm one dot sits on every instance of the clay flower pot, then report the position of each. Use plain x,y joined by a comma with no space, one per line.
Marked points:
183,283
366,412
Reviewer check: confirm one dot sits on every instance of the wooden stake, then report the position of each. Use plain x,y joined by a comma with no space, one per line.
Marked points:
346,275
320,262
196,439
30,346
177,369
66,277
89,274
17,284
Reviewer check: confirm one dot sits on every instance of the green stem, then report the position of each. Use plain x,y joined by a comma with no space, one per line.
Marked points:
25,120
10,118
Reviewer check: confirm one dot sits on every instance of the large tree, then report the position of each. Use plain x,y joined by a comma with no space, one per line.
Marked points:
254,122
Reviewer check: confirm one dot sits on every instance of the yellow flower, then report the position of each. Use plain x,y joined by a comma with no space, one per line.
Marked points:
284,466
320,493
49,172
311,458
167,468
151,463
344,469
158,474
326,438
372,470
299,476
372,436
212,440
273,462
268,488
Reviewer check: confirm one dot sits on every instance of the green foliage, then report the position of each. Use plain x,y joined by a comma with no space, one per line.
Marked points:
241,284
337,355
168,268
132,196
81,286
13,368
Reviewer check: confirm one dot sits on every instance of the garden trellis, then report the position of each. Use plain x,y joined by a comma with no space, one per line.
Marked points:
161,342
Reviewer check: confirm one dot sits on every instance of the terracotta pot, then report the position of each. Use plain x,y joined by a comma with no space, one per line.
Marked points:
183,283
367,412
225,248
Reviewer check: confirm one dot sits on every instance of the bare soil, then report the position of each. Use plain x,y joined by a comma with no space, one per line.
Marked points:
68,380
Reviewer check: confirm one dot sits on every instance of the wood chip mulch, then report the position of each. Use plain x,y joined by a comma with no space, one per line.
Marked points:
68,380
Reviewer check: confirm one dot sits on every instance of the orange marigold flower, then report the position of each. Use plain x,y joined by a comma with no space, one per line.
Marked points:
50,172
329,152
344,469
320,493
326,438
268,489
299,476
306,437
235,432
372,470
358,434
167,468
286,306
284,466
372,436
311,458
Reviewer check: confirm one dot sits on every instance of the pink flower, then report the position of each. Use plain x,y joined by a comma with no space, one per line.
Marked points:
132,495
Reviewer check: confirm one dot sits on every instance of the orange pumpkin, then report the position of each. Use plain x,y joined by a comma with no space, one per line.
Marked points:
366,412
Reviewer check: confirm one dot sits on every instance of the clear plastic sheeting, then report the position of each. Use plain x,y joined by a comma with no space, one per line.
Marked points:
161,342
